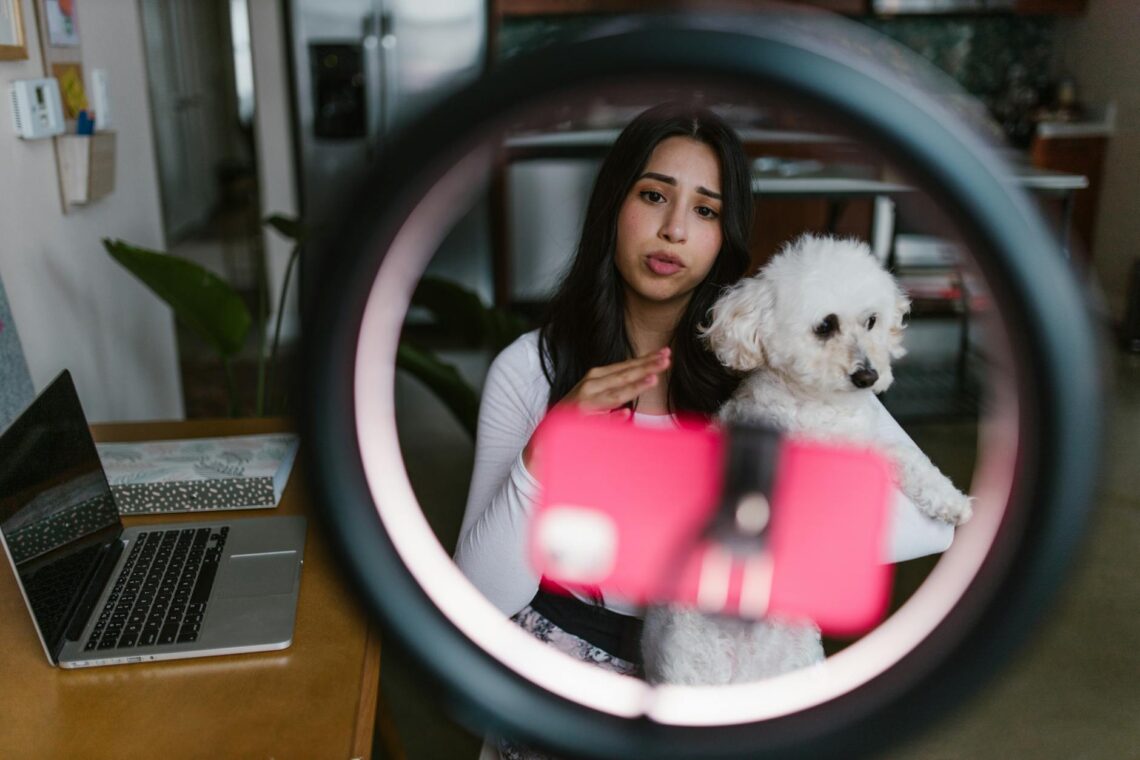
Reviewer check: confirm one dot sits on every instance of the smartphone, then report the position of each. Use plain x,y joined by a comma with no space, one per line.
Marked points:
629,510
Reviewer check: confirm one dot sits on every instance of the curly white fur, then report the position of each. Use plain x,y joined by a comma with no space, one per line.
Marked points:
816,330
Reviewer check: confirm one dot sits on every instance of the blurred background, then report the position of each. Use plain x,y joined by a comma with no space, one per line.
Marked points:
230,111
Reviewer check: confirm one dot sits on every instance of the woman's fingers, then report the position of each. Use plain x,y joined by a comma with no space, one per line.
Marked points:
631,377
626,382
623,394
653,357
604,389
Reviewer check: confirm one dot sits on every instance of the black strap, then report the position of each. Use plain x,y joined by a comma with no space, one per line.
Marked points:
614,633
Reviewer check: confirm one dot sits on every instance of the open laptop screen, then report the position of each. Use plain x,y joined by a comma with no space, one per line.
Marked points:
57,514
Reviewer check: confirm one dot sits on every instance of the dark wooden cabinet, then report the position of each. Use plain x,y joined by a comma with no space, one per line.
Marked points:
559,7
1051,7
849,7
1082,155
778,220
501,8
567,7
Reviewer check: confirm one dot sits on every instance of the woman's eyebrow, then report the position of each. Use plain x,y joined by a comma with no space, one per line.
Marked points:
670,181
660,178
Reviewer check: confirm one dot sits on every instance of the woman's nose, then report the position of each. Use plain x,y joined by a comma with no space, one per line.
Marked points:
673,228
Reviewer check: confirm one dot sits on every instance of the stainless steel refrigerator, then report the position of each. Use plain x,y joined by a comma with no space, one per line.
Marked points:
363,68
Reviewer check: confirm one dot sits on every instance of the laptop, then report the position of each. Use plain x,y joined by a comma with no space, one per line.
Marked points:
102,594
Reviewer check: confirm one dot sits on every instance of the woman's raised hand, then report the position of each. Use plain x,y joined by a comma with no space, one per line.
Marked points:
607,388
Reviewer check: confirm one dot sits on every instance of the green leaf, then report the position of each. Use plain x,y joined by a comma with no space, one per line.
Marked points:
502,327
457,310
289,226
444,381
466,320
463,316
200,299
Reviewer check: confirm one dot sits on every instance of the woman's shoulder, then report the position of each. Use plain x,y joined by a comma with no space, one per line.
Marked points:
519,366
521,348
516,388
520,357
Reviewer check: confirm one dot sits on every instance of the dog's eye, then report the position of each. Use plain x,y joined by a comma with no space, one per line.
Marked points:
871,322
829,325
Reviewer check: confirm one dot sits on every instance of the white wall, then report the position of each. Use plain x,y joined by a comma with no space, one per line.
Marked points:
74,307
1102,49
274,140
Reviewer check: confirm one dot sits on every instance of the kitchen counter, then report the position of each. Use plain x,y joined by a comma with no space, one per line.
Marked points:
1098,121
804,181
1048,181
823,180
594,143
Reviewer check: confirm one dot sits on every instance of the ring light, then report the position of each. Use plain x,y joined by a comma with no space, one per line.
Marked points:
981,599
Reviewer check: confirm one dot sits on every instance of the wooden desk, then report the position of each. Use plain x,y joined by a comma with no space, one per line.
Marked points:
316,699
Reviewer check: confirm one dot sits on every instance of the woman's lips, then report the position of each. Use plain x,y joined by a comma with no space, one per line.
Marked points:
663,263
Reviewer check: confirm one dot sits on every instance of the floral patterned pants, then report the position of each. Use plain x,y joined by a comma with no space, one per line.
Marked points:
544,630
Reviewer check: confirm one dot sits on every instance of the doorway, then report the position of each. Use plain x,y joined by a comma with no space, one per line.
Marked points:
202,100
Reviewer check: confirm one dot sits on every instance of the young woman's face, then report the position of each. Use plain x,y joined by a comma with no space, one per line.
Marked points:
669,230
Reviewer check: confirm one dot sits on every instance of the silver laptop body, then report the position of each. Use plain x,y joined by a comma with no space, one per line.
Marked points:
100,594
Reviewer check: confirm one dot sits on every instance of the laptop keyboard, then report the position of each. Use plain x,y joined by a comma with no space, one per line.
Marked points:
160,596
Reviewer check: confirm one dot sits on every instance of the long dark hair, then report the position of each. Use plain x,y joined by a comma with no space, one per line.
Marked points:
585,323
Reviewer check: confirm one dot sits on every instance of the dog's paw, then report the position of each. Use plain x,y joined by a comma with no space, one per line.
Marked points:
948,505
959,510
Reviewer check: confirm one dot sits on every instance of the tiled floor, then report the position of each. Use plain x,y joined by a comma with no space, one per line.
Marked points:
1073,693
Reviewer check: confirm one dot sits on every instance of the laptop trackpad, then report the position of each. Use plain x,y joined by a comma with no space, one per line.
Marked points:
260,574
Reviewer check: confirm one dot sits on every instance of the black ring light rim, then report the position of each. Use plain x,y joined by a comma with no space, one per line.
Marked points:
1055,326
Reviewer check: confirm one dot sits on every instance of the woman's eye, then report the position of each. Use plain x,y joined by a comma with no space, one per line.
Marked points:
871,322
707,213
652,196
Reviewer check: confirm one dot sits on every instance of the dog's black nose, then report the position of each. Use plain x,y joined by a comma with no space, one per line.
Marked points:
864,377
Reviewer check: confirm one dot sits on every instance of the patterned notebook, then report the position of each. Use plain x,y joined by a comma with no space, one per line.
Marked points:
199,474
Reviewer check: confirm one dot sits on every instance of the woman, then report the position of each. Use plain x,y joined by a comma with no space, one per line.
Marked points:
666,229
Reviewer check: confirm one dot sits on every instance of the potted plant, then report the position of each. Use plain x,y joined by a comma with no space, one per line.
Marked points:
211,308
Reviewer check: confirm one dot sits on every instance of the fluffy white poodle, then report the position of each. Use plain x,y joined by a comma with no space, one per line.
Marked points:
815,332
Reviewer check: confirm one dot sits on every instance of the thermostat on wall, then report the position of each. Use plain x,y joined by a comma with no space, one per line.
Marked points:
37,110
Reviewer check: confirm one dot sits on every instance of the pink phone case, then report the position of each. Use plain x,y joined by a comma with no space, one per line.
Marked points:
623,509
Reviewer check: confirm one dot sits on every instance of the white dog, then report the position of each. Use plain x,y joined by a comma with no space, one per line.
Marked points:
815,330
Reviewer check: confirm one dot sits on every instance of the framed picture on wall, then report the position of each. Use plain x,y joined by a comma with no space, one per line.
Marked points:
63,29
13,46
70,77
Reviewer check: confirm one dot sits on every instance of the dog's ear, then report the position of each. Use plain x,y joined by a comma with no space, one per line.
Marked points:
735,330
901,309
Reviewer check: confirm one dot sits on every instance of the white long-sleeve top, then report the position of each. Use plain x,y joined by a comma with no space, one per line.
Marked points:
492,549
492,540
